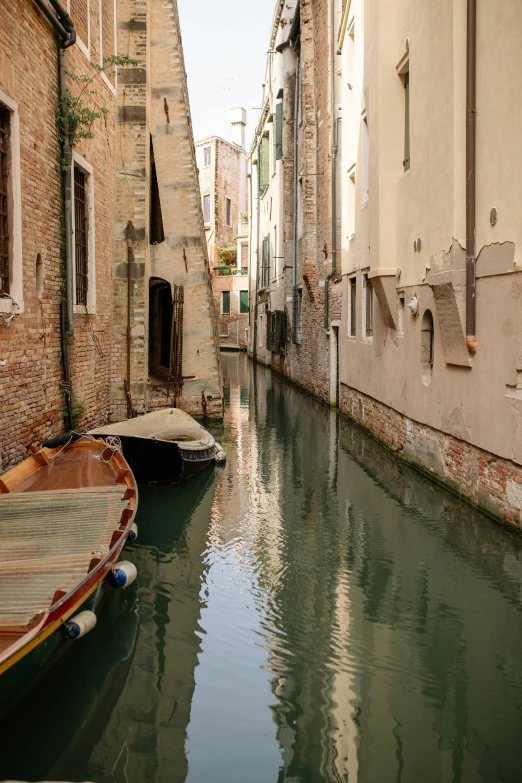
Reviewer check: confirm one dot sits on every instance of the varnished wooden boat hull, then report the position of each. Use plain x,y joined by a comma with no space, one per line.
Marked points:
26,673
72,551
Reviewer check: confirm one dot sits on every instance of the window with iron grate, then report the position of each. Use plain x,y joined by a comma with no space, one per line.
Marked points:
80,236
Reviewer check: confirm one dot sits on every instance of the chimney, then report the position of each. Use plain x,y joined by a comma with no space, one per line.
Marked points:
238,120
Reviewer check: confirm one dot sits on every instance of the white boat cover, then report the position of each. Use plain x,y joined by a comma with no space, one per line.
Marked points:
167,424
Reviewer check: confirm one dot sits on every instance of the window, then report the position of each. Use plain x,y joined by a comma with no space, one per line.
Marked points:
81,248
225,302
427,347
297,315
228,211
206,208
11,261
4,202
406,161
279,132
243,301
263,164
84,272
207,156
156,233
365,162
352,314
368,307
400,316
275,252
265,262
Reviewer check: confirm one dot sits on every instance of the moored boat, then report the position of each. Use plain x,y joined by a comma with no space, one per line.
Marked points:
163,447
65,515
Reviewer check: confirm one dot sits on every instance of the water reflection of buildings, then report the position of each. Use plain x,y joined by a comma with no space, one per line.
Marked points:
145,736
375,624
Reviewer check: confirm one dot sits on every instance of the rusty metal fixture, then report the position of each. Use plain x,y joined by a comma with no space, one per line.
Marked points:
493,216
471,132
175,377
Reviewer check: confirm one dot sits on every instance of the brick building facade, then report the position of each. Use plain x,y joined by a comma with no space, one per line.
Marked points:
223,186
294,326
33,248
164,352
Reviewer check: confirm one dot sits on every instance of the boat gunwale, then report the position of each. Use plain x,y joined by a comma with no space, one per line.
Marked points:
66,605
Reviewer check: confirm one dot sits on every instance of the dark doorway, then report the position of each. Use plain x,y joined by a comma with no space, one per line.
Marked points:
160,325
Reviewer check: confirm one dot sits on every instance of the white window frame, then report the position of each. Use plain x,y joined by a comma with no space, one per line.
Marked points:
229,292
275,255
16,288
85,46
352,337
83,165
207,147
105,79
206,195
227,201
365,279
365,159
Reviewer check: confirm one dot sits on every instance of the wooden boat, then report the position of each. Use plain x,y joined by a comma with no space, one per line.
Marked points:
65,515
163,447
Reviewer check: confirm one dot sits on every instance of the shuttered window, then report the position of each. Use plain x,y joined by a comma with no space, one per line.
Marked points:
80,236
353,307
225,302
4,216
263,164
243,301
279,132
265,262
206,208
207,156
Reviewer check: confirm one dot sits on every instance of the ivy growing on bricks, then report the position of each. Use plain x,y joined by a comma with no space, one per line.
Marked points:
72,113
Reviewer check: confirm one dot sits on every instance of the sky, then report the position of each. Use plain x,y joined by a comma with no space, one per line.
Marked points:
225,43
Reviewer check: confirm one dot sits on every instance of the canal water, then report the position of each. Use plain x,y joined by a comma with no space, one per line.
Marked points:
312,612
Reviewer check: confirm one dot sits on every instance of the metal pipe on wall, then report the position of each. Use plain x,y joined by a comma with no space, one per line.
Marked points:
471,132
334,149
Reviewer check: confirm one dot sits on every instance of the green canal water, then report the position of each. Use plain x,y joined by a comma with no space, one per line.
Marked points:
314,611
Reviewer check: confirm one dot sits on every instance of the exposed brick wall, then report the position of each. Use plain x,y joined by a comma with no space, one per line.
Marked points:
31,377
489,482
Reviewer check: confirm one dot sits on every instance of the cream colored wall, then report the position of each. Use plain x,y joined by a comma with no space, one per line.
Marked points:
478,402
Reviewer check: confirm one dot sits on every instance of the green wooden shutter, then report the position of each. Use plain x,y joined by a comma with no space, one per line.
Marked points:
225,302
243,301
263,163
279,132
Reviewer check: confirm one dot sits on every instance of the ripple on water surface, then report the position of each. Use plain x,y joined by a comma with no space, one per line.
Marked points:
312,612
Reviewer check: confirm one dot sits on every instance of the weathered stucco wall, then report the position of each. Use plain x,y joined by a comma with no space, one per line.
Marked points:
409,240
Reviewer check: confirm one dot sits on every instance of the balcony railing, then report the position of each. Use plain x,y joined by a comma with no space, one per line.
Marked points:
228,271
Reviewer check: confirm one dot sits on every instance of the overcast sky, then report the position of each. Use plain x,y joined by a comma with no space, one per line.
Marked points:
225,44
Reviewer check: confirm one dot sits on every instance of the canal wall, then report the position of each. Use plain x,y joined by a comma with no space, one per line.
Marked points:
491,483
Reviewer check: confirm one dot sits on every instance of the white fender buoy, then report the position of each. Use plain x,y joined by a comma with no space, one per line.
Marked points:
133,533
80,624
220,455
122,575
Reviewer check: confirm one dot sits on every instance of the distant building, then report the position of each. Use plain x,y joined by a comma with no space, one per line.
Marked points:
295,306
223,185
165,346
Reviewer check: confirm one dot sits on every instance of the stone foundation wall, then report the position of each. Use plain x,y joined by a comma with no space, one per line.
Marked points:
489,482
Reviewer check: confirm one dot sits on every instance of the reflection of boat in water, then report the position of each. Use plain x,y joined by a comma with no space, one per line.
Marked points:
163,447
65,515
62,732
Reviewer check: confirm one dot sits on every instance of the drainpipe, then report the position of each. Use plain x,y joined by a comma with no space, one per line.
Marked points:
471,123
64,26
334,148
294,253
